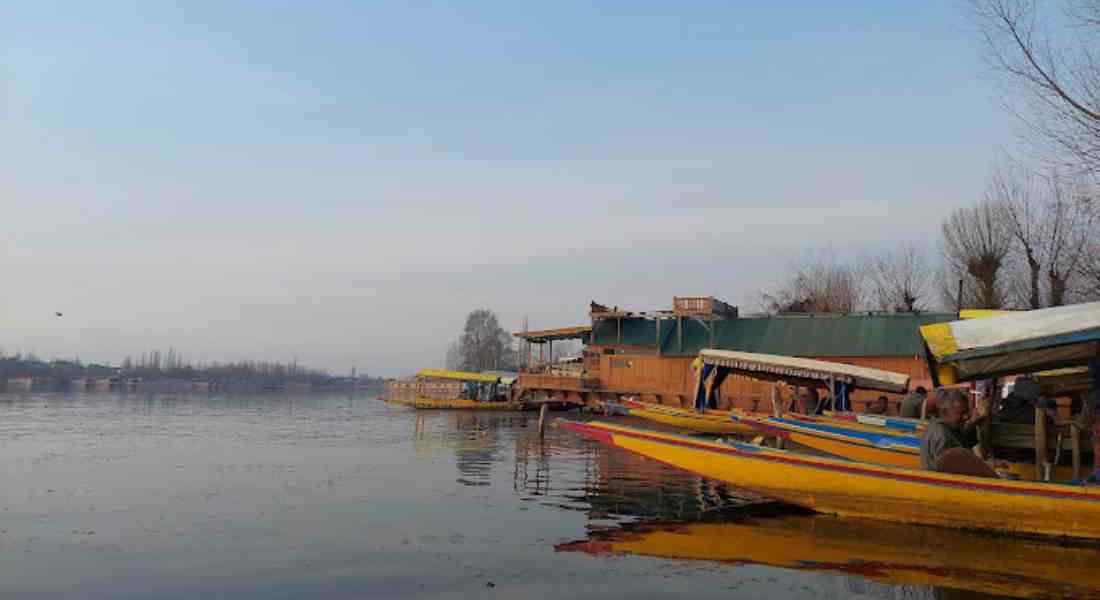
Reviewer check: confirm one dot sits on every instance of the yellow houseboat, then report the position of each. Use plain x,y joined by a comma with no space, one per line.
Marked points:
440,389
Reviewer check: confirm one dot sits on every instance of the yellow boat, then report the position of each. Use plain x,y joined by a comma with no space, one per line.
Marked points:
865,443
716,422
884,552
846,488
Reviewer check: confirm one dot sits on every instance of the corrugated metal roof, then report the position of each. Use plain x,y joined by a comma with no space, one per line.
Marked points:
788,335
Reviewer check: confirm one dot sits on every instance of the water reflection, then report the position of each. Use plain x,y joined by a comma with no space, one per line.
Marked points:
343,496
926,562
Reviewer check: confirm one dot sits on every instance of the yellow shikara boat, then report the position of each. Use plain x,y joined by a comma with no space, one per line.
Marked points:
884,552
841,487
865,443
716,422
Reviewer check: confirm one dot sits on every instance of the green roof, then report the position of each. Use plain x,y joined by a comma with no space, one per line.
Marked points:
789,335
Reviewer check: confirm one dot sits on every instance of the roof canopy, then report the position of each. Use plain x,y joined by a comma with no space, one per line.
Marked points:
549,335
1023,342
457,375
788,368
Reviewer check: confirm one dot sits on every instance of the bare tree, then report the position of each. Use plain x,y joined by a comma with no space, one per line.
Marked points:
817,283
901,278
1049,221
484,344
1017,191
975,242
453,360
1049,58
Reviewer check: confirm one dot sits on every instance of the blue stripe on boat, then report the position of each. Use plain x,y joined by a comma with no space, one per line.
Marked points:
877,439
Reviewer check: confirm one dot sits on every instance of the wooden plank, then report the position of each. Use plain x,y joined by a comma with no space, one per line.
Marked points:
1040,444
1075,440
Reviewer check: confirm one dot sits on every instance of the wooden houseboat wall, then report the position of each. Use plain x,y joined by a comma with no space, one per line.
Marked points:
648,356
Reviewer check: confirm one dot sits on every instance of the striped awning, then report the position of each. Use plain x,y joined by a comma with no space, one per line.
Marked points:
1021,342
789,368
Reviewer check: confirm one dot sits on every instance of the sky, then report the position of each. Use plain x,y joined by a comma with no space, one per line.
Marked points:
342,182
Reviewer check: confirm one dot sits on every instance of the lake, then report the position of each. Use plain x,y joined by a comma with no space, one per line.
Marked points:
343,496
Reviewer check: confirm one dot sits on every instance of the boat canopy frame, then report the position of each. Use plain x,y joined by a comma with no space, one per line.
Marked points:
1016,343
840,379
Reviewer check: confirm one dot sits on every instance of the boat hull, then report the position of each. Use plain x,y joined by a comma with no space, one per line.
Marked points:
715,422
434,404
846,488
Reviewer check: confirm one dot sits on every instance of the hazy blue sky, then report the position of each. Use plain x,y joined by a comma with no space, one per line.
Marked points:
342,181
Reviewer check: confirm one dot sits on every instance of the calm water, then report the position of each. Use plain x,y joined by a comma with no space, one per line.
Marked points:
346,497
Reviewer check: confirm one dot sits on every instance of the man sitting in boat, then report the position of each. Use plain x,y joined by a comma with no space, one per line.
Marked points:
912,403
953,428
1019,404
880,406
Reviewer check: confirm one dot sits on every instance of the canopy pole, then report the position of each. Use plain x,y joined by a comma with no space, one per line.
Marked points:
983,406
1040,444
1094,369
777,410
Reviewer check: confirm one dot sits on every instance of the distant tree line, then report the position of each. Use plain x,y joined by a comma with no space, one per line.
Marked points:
154,366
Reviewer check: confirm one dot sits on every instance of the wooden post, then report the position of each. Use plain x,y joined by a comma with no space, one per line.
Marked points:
832,394
777,410
985,429
1075,439
1040,443
657,330
619,330
542,419
679,334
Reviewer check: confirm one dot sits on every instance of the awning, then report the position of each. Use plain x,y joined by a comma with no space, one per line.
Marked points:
789,368
1023,342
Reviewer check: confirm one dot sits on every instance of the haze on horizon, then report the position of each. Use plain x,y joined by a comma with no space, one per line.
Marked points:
342,182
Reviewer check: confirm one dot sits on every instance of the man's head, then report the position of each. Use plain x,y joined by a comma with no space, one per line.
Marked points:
954,407
882,403
921,391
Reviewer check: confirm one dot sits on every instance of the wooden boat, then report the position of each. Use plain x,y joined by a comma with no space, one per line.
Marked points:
717,422
885,552
866,443
847,440
846,488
